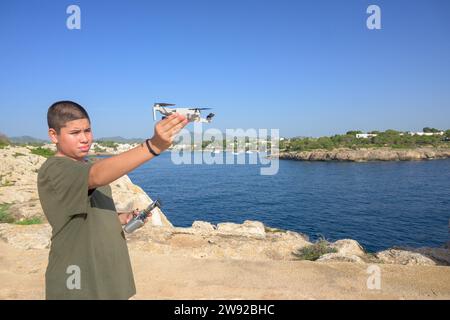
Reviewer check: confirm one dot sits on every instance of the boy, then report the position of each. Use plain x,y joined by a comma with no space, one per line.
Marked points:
89,256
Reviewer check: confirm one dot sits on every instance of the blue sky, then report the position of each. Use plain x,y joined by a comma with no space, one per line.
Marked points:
308,68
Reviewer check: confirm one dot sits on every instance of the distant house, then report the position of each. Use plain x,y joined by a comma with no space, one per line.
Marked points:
365,135
440,133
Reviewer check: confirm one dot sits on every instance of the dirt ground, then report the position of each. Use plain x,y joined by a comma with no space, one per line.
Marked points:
160,276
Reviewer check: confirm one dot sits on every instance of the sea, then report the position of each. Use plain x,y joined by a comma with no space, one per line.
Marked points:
379,204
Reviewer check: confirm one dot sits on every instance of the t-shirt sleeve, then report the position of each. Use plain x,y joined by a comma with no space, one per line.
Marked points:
70,182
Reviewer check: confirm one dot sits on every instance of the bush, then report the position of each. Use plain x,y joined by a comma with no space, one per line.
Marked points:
314,251
427,129
97,149
44,152
5,217
4,141
389,138
29,221
108,144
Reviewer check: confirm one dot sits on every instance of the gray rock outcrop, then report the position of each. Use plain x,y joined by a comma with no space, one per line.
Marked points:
18,182
365,154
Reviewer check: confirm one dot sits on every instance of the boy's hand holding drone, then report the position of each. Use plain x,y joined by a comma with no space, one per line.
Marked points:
125,217
166,130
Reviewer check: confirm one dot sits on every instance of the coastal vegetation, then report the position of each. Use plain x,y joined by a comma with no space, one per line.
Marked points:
4,141
6,217
47,153
377,139
314,251
107,144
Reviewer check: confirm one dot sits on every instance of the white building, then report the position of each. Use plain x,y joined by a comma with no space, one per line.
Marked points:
440,133
365,135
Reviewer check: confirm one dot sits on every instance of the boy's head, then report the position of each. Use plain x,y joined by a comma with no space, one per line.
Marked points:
69,127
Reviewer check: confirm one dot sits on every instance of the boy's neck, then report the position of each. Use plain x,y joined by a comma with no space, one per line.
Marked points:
60,154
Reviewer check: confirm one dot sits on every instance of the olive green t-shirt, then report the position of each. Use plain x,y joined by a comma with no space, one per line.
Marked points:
88,256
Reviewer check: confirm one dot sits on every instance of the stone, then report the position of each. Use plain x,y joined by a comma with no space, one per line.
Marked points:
439,255
18,181
339,257
348,247
247,229
27,236
203,226
128,196
364,154
396,256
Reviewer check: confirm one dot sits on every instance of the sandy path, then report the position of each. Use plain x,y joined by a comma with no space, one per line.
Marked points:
168,277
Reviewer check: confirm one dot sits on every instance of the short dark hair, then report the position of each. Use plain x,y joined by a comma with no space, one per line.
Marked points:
64,111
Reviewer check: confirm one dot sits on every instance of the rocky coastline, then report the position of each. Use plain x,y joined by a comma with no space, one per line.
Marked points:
206,261
251,240
364,155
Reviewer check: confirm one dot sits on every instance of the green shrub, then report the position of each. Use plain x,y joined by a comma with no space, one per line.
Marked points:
314,251
5,217
44,152
29,221
98,149
108,144
4,141
389,138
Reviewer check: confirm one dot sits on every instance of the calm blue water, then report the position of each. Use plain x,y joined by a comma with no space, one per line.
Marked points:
379,204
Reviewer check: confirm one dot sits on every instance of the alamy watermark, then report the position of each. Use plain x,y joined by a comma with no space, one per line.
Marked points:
374,280
373,22
73,281
237,146
74,20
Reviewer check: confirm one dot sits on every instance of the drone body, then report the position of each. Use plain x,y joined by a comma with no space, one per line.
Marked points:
192,114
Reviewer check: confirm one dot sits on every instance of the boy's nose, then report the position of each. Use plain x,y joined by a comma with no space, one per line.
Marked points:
84,137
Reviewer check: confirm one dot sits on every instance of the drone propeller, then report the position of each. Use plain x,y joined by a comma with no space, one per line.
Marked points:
162,104
200,108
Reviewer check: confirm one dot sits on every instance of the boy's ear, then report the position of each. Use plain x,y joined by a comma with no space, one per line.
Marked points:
53,135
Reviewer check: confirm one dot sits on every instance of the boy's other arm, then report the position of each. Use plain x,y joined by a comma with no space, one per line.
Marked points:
105,171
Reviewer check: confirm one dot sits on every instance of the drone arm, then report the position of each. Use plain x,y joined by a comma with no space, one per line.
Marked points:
154,113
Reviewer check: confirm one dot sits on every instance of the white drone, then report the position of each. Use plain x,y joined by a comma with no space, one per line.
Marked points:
192,114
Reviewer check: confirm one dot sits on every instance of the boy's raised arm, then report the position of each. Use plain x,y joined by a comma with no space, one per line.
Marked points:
105,171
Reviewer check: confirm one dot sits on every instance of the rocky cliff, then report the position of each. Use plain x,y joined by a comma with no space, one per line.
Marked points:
250,240
18,188
362,155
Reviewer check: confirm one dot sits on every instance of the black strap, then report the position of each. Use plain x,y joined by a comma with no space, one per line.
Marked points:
150,148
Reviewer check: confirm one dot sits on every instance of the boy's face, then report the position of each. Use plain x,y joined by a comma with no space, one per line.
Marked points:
74,140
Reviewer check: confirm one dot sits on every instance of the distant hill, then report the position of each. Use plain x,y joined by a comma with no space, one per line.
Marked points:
26,139
119,139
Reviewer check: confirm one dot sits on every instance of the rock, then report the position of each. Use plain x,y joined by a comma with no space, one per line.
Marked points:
18,181
395,256
339,257
203,226
439,255
194,242
26,237
364,154
348,247
128,196
247,229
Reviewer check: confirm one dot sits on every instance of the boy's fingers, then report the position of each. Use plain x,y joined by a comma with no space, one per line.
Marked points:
178,127
164,121
168,118
172,122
